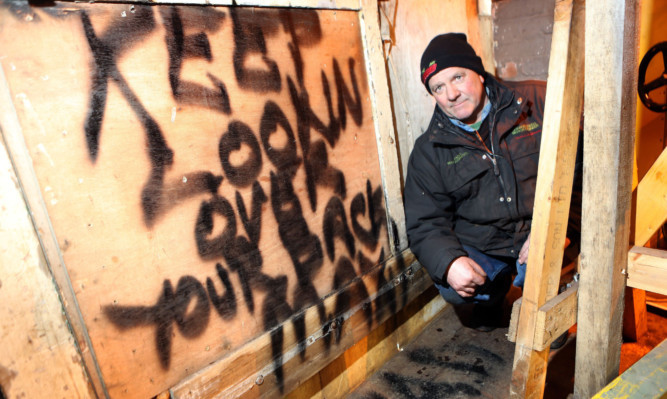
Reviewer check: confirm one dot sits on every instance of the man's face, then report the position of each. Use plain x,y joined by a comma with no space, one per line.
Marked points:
459,93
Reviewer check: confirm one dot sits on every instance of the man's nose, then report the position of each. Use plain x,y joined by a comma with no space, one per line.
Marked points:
452,93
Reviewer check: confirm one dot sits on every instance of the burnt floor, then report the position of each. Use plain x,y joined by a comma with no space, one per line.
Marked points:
449,360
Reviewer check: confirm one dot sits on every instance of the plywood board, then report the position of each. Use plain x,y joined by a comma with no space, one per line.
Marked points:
33,330
208,172
407,30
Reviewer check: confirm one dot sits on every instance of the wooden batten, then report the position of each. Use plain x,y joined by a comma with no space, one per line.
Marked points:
359,362
651,201
485,15
647,269
37,344
12,133
553,318
552,196
216,190
384,124
644,379
319,4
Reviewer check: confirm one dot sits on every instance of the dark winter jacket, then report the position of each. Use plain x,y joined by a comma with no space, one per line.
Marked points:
455,195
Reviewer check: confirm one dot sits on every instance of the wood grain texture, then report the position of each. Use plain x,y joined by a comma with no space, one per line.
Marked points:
385,131
249,372
552,197
651,211
210,180
634,312
39,357
359,362
608,144
645,379
408,30
316,4
553,318
647,269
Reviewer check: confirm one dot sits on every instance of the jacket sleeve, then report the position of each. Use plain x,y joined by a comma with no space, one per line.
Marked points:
429,214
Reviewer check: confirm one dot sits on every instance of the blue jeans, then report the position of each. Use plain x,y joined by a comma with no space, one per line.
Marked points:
498,279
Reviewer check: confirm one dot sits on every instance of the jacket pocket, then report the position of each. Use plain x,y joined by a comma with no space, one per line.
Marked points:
463,173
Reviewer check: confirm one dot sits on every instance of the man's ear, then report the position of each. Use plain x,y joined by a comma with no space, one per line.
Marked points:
481,78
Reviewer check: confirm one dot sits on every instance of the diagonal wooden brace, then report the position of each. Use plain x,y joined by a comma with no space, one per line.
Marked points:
562,112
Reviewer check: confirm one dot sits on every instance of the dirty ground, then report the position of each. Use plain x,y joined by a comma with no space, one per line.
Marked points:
449,360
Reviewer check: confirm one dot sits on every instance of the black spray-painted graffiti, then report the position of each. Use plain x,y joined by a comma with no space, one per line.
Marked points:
233,251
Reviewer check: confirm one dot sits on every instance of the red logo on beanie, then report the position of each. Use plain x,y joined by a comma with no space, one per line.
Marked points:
426,73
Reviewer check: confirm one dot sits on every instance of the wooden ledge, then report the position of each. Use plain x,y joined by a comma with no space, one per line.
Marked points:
647,269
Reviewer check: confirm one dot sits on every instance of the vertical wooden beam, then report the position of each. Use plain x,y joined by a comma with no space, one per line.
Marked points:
552,197
12,133
36,342
610,100
385,131
484,8
634,314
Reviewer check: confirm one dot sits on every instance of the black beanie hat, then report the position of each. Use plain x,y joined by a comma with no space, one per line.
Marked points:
448,50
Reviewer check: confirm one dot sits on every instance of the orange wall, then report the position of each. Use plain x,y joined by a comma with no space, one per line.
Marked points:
650,138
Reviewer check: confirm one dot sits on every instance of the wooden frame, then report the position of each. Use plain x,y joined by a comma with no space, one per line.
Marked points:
409,280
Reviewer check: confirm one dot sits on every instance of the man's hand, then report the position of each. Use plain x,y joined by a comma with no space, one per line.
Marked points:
523,254
465,275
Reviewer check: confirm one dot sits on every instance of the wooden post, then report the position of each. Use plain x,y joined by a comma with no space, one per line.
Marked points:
484,9
553,191
610,100
12,133
384,124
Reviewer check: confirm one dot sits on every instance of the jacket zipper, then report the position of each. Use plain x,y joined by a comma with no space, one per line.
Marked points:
492,156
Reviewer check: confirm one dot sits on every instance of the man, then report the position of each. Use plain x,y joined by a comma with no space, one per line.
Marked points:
471,178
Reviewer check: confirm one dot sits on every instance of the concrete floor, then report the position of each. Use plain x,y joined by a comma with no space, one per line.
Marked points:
449,360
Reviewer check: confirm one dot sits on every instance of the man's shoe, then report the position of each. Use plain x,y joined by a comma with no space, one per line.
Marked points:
486,318
559,342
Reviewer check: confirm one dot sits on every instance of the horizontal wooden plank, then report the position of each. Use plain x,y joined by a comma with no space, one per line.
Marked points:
554,318
645,379
647,269
315,4
358,363
324,4
557,316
